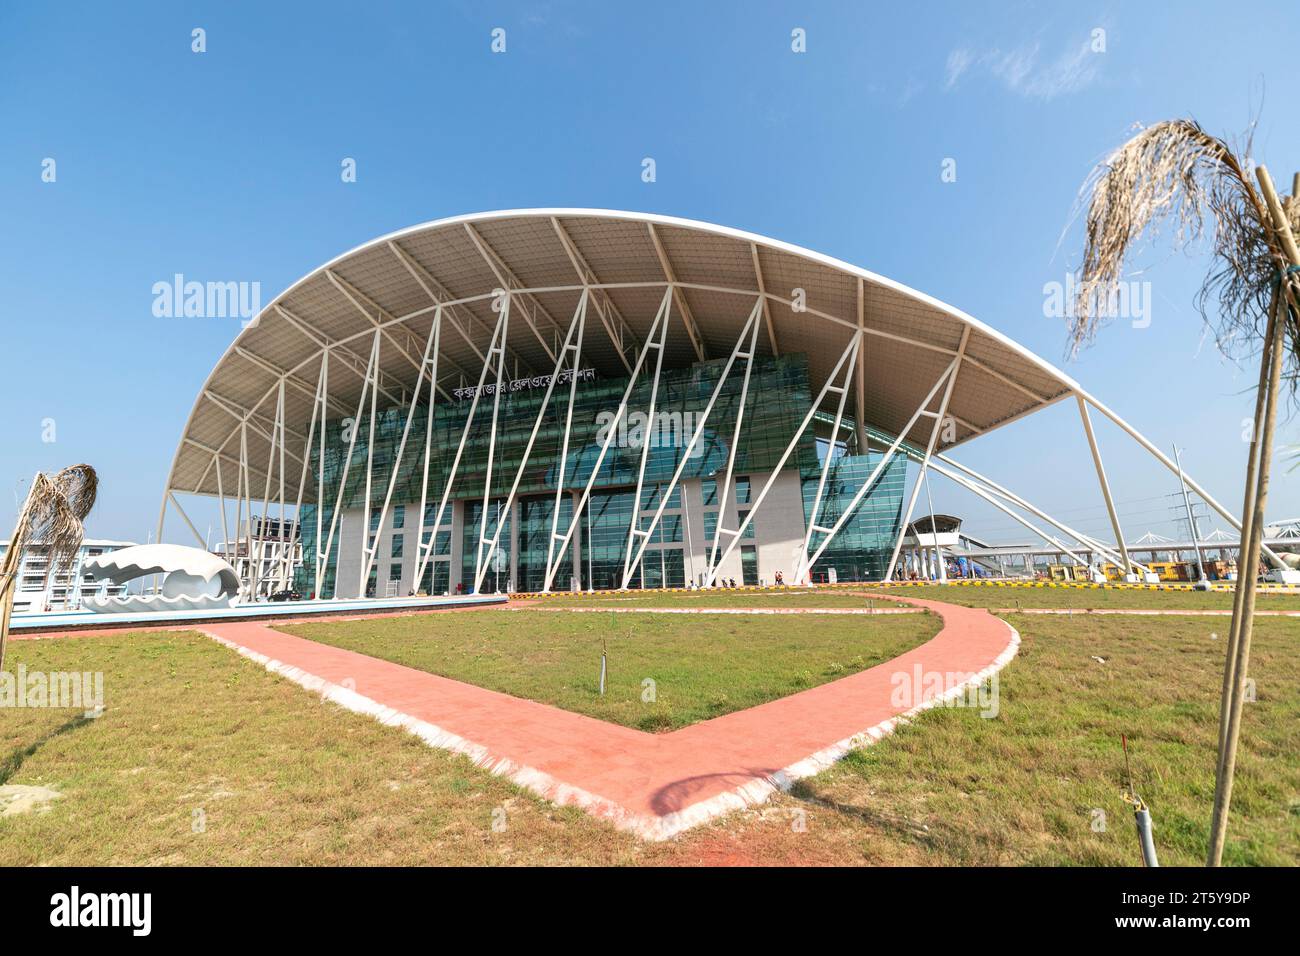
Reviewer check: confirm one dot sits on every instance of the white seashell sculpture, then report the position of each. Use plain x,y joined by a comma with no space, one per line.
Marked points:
195,580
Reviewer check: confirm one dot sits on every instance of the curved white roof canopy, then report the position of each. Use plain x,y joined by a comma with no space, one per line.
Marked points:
545,256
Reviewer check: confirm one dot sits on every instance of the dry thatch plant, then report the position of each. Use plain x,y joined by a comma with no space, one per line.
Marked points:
53,513
1175,174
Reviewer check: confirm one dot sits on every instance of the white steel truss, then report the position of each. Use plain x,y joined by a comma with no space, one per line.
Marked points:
492,434
320,480
620,333
633,527
1125,565
654,343
945,377
319,409
186,518
367,545
277,441
974,488
849,350
496,350
801,571
748,341
993,488
221,502
935,430
429,370
572,344
322,554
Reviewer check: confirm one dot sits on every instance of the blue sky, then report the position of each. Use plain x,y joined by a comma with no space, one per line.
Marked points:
225,165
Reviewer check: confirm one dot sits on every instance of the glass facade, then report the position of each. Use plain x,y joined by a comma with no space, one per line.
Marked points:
535,518
779,397
861,549
437,577
604,533
497,577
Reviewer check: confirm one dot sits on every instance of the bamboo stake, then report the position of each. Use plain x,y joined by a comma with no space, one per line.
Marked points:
1247,524
1273,350
12,562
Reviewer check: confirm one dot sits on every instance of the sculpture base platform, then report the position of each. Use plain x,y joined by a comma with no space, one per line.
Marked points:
61,621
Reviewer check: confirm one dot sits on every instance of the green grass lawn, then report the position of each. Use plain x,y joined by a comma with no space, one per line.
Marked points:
202,757
1088,598
701,666
968,595
282,777
723,598
1024,788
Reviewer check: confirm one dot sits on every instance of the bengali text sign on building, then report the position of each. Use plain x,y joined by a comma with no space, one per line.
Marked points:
530,382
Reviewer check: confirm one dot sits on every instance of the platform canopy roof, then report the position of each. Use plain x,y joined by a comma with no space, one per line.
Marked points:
928,524
545,257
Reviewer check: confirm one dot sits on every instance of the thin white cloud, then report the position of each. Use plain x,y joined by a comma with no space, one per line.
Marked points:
959,62
1023,72
911,89
1014,69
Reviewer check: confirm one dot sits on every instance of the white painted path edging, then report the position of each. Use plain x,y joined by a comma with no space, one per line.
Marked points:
645,826
722,610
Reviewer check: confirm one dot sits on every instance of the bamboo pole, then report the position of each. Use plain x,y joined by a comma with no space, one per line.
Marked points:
1247,524
9,569
1274,347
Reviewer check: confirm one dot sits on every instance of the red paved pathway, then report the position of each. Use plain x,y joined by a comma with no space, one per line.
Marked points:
653,784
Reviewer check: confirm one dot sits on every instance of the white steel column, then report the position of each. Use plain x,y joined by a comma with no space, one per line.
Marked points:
729,474
186,518
492,441
367,547
572,343
323,553
564,460
1105,485
316,411
283,414
934,534
876,472
498,343
654,342
634,527
1164,460
320,479
850,369
785,456
750,332
277,438
1007,495
650,429
162,514
422,551
244,507
860,391
221,501
430,347
929,449
993,500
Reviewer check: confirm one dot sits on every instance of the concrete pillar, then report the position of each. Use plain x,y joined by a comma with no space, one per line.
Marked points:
457,550
575,550
513,515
